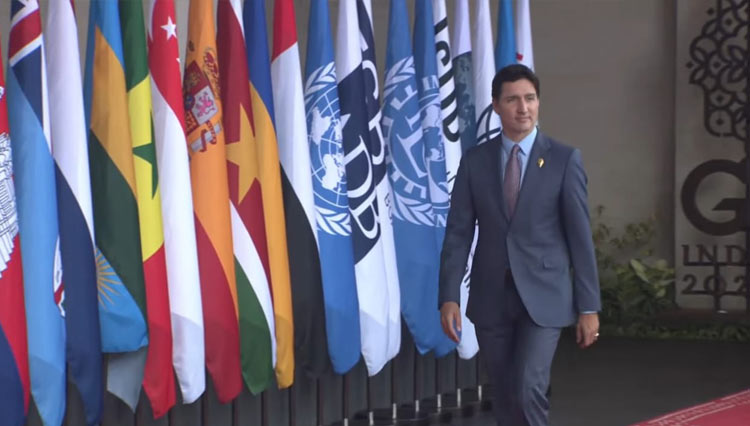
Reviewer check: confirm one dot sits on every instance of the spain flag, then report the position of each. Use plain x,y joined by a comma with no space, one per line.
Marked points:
208,172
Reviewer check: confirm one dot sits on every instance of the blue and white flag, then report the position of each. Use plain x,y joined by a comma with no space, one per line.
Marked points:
360,179
505,47
483,63
524,45
463,75
36,198
467,345
382,185
414,218
428,87
75,211
333,219
448,104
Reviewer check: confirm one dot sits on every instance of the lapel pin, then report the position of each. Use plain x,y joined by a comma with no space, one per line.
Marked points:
540,162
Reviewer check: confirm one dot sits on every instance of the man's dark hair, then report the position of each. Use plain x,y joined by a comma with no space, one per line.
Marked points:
511,73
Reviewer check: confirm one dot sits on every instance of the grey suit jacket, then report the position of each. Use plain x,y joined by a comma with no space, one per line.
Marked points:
549,234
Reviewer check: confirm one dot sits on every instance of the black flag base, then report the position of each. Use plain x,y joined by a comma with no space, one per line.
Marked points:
404,415
449,405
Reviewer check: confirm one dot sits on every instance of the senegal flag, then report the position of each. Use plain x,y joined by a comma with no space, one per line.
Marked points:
158,379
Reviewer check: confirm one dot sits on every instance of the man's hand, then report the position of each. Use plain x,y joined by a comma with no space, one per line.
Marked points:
587,329
450,318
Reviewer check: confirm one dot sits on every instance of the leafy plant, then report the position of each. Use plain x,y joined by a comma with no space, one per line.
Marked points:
635,286
638,289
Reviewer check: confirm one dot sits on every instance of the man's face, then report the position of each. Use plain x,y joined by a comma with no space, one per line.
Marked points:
518,107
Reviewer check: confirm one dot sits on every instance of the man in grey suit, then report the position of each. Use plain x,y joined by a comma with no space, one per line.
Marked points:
534,268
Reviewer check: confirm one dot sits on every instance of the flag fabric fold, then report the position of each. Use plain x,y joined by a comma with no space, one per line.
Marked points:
311,349
14,355
448,93
259,68
461,51
158,379
333,219
208,173
180,249
256,322
428,87
524,45
75,213
34,168
483,67
382,185
122,295
122,305
463,75
505,47
369,268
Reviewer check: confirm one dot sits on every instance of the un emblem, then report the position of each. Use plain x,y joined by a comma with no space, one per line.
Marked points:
326,152
402,126
434,150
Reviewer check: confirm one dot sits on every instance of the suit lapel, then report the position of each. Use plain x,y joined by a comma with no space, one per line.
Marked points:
498,172
532,176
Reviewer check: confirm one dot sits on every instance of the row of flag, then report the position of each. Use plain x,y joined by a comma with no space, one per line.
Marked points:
205,225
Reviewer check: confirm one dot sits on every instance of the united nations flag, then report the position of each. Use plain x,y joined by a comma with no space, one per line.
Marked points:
333,220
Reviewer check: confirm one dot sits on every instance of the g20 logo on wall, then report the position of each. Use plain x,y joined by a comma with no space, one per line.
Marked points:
737,206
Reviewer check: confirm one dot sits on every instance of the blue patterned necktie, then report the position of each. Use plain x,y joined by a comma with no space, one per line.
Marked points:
512,180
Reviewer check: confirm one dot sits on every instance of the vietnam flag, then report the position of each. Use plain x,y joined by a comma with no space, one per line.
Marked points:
208,172
257,340
158,379
14,356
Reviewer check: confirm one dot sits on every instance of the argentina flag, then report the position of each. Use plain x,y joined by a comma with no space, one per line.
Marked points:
414,218
333,220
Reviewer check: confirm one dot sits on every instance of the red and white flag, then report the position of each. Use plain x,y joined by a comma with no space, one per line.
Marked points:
176,201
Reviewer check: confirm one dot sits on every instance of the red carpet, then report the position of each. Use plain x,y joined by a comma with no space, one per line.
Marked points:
731,410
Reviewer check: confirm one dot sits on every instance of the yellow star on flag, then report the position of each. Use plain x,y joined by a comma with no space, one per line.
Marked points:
242,154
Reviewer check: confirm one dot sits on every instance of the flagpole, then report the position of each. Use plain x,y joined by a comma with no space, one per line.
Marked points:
345,405
292,412
263,409
319,402
747,175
